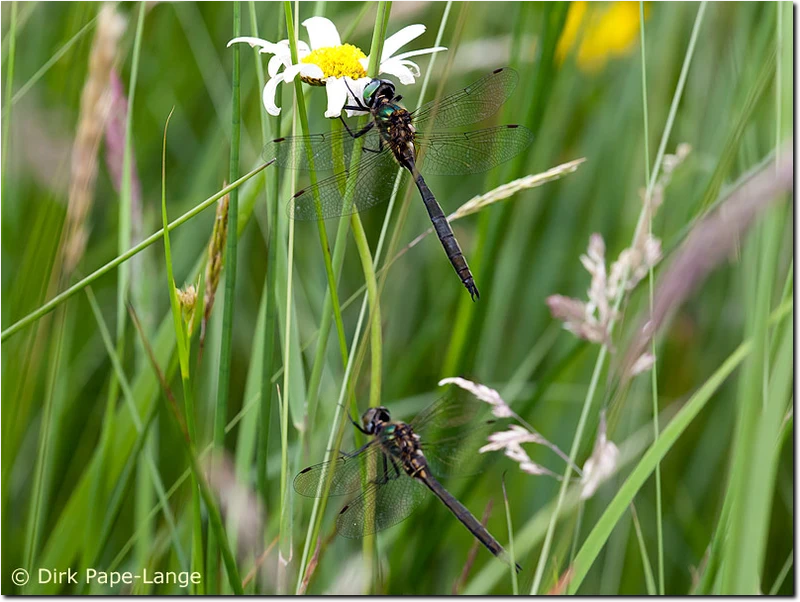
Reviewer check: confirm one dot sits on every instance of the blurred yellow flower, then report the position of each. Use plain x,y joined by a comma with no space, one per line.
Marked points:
602,32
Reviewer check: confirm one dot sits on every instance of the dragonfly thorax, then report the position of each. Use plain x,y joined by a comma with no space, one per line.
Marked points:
398,132
400,441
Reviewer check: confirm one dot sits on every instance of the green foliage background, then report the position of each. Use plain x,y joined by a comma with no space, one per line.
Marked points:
57,373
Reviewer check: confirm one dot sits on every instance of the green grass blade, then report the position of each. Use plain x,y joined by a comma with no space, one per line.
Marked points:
226,342
140,427
12,52
120,259
654,369
604,350
36,513
602,529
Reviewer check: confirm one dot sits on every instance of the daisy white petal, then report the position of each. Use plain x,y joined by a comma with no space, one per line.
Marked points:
322,33
337,96
396,41
422,51
254,43
275,63
268,95
400,71
304,69
411,65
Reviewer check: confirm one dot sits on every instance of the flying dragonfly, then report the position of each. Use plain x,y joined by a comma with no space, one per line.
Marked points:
395,136
393,473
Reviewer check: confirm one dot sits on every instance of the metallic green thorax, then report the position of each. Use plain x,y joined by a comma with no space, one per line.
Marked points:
397,131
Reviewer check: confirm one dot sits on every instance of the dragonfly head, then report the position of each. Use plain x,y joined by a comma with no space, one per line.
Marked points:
374,418
378,91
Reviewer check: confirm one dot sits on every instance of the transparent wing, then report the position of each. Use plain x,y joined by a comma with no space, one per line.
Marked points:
453,410
329,151
347,472
471,104
382,505
372,186
457,455
462,153
452,430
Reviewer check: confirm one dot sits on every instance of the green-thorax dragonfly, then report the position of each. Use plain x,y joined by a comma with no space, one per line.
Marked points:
396,136
395,471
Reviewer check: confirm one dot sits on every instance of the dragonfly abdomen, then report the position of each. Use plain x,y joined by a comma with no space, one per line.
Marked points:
466,518
446,236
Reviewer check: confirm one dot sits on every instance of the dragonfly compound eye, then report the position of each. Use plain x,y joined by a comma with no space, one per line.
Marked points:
369,91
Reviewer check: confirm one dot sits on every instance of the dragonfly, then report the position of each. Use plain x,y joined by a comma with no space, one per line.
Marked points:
394,136
395,471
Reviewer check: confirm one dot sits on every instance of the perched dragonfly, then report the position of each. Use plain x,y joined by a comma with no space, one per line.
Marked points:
396,136
394,471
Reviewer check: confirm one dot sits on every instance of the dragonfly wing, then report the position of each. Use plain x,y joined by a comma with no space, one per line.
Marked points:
462,153
451,431
381,505
318,152
469,105
457,455
372,185
455,409
348,473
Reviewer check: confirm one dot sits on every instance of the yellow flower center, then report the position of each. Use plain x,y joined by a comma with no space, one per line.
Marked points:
338,61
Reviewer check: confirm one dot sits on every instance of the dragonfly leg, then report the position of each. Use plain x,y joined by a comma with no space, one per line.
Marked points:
359,105
358,426
377,151
385,473
383,478
359,133
354,453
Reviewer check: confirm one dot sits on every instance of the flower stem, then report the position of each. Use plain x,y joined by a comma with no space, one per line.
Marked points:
375,315
338,423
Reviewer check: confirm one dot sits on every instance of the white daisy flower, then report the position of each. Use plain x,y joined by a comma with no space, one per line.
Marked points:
325,61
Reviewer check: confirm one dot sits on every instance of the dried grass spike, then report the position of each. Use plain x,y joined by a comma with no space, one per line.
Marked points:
216,257
95,103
